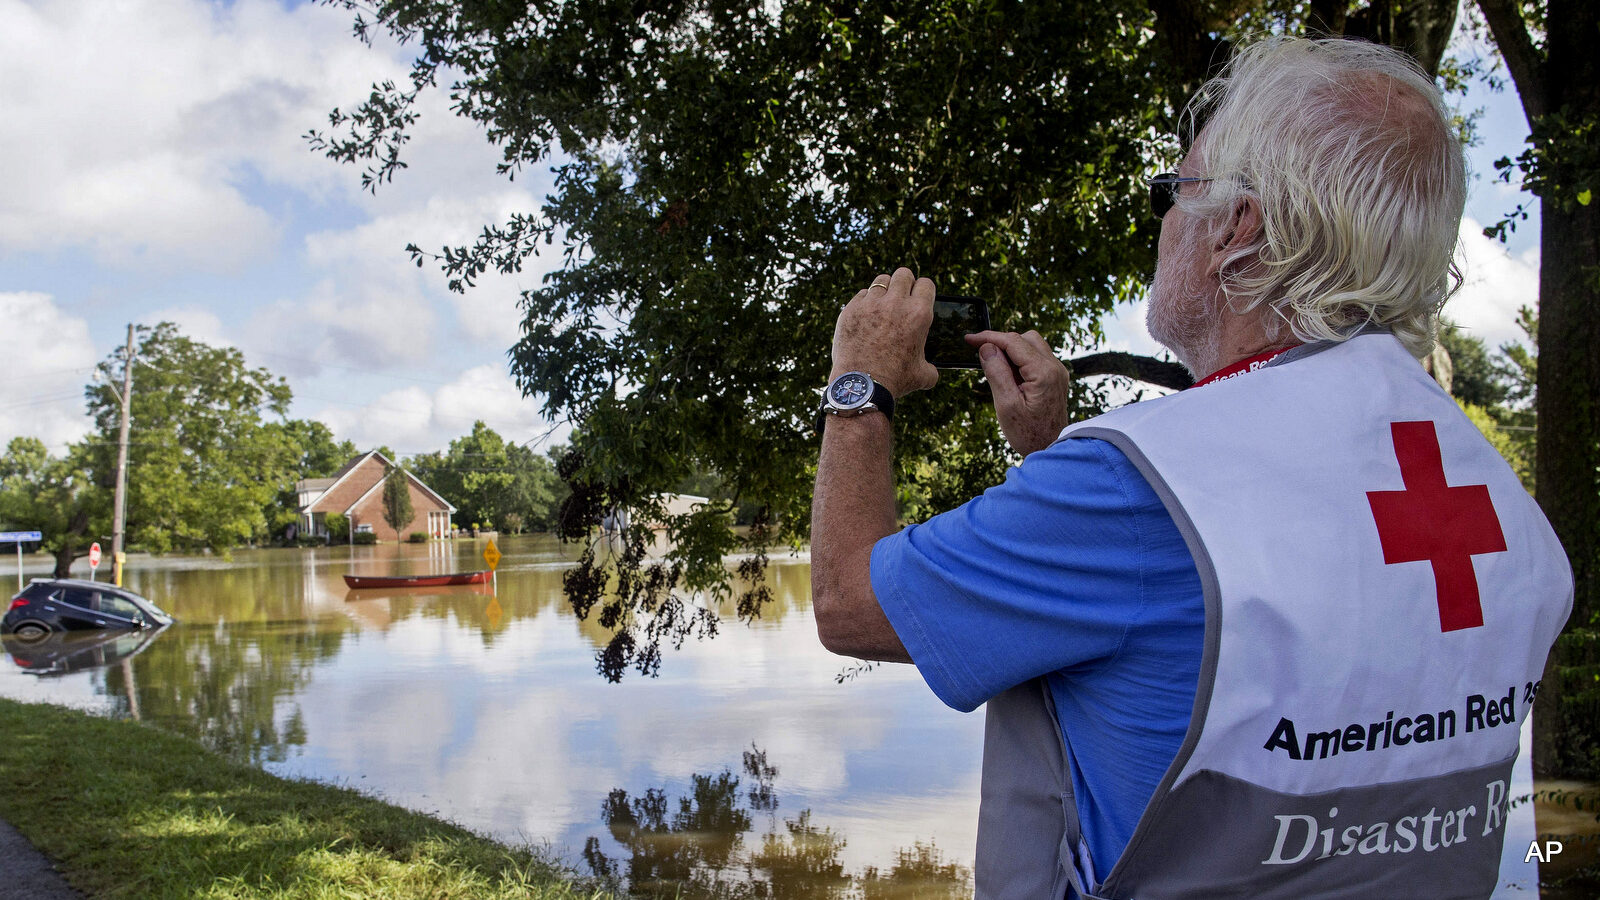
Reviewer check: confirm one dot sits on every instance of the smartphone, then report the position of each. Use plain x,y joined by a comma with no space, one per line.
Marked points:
953,319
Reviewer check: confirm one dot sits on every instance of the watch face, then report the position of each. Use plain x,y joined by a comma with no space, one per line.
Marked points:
850,390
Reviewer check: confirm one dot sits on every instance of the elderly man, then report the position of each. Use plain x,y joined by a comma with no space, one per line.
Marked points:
1272,636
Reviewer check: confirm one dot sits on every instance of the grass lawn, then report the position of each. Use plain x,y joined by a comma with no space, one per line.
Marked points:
127,810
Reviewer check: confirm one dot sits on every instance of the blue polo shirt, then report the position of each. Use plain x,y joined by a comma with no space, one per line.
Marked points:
1071,570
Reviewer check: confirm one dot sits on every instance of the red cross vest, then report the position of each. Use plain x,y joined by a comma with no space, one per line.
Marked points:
1380,594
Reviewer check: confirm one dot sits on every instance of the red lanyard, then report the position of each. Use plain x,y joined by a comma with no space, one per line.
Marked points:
1243,366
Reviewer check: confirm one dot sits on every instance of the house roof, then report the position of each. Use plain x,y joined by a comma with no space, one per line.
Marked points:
378,485
313,484
349,467
356,461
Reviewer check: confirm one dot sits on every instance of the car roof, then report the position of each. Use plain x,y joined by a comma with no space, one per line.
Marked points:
84,583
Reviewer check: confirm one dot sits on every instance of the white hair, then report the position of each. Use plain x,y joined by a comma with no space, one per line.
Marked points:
1347,149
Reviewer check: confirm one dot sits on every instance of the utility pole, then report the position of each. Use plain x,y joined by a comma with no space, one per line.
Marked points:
121,496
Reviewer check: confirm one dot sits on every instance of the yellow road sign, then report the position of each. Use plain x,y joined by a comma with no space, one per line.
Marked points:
491,555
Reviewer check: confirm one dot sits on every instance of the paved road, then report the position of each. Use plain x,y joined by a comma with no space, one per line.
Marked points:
25,873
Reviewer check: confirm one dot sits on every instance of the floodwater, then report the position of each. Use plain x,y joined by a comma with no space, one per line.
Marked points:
755,765
746,768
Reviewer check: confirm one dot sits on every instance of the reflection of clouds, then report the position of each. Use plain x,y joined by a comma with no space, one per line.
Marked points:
523,740
514,734
874,831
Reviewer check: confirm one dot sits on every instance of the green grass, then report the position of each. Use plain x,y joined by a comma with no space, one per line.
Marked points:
129,811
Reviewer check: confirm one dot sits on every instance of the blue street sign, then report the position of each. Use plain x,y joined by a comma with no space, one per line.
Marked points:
8,537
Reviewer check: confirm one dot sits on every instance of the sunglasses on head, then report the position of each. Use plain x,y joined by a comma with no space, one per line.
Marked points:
1164,191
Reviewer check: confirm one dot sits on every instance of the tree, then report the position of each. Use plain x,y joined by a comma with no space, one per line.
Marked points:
1496,392
203,465
206,468
997,146
1476,377
1548,48
705,266
314,454
397,508
489,479
57,497
474,474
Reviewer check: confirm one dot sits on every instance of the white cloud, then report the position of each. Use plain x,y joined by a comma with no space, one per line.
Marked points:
1494,285
48,360
166,137
373,310
134,129
412,419
373,255
371,325
196,323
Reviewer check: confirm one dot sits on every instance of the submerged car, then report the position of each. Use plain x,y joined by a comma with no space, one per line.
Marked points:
65,604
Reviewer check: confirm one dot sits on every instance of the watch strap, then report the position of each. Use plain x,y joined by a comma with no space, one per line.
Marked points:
883,400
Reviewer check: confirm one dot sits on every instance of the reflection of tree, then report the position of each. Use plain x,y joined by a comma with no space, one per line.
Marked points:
804,863
762,795
225,686
919,873
691,849
696,853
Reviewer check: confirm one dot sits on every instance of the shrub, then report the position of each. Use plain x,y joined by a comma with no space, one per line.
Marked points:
309,540
364,538
338,525
418,537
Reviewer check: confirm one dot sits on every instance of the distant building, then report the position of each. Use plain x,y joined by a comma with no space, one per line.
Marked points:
357,491
681,504
617,520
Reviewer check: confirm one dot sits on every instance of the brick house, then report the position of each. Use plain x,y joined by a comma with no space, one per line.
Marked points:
357,491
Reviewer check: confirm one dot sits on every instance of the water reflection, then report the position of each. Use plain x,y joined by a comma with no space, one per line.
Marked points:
58,653
481,704
695,848
233,688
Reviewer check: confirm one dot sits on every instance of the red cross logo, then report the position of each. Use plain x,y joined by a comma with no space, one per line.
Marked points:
1430,520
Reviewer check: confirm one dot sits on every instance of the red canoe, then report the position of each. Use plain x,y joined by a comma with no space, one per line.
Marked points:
403,581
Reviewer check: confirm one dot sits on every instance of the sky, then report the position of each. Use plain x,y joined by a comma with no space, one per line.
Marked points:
153,167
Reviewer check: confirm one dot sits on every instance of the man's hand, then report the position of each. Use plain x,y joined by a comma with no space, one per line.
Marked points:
1030,387
882,330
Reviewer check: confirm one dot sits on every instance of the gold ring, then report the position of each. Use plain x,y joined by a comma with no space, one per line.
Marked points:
879,284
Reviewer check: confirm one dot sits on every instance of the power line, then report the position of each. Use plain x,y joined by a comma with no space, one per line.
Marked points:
42,400
50,373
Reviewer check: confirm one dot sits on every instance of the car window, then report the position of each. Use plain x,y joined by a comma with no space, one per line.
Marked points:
118,606
79,597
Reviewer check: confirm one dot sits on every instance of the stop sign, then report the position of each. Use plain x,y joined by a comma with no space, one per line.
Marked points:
94,554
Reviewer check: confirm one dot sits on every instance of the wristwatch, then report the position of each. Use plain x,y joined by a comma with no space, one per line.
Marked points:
852,394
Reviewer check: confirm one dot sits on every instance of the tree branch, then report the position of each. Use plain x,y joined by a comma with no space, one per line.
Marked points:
1521,56
1140,368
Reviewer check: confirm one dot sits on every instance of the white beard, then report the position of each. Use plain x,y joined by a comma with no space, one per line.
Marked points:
1184,317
